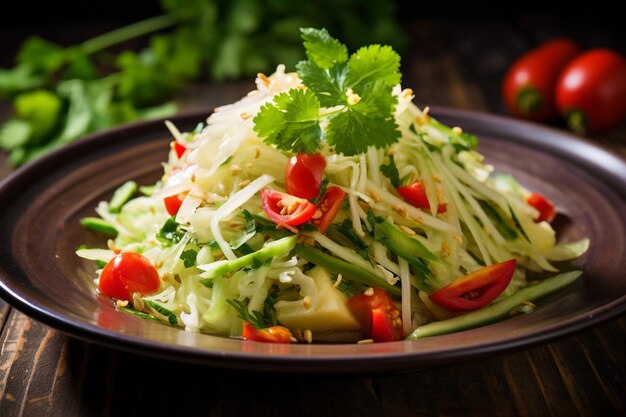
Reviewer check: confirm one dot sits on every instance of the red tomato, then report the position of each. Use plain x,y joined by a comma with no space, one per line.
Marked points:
126,274
477,289
274,334
329,206
528,86
591,91
178,148
378,315
416,195
546,209
172,204
284,208
304,175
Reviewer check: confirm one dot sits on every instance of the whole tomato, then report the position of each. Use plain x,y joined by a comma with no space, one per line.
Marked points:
591,91
528,86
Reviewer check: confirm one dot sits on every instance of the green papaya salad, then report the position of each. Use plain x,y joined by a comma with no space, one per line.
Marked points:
326,206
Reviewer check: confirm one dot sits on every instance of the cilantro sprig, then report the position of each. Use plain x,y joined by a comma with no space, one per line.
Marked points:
351,96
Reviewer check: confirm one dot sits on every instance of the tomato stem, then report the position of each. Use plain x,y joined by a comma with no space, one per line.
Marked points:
529,100
576,121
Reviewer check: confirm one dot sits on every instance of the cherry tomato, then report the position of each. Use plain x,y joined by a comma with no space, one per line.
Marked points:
591,91
329,206
172,204
546,209
528,86
126,274
178,148
287,209
416,195
304,175
378,315
477,289
274,334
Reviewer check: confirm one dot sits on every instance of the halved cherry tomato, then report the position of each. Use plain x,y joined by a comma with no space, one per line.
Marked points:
287,209
178,148
126,274
274,334
329,206
304,175
528,86
546,209
378,315
172,204
416,195
477,289
591,91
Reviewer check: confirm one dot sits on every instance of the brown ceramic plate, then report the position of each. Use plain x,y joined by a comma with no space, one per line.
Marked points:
41,276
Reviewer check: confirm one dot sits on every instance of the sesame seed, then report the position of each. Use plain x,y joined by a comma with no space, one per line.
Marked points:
111,245
401,211
457,130
437,178
308,336
365,341
235,169
317,215
529,304
426,110
249,165
407,93
338,281
121,303
257,153
263,78
138,302
407,230
458,238
306,302
293,339
245,116
375,196
244,183
397,322
395,314
445,249
369,292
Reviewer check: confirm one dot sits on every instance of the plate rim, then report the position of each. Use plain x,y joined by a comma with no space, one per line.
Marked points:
307,363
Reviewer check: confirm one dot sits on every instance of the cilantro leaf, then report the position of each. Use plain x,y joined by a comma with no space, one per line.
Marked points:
291,121
249,231
189,257
328,85
170,232
322,49
372,63
391,171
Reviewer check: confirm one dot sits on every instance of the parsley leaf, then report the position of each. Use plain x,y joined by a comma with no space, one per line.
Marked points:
291,121
170,233
322,49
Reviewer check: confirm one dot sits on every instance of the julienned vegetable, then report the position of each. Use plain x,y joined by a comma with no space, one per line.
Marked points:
285,217
591,91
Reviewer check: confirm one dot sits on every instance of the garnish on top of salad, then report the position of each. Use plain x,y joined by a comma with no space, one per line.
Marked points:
326,206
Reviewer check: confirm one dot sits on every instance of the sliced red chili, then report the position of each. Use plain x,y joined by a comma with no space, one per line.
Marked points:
547,211
172,204
329,206
477,289
274,334
179,148
304,175
283,208
416,195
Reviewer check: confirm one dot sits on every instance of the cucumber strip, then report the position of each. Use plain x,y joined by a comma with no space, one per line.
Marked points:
401,244
171,317
124,193
279,247
497,311
346,269
98,224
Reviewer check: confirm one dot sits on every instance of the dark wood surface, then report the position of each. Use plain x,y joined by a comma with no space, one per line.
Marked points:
456,63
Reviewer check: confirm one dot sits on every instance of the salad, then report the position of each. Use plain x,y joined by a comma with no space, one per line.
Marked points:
326,206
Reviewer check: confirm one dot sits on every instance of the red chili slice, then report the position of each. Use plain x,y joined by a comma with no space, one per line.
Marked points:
283,208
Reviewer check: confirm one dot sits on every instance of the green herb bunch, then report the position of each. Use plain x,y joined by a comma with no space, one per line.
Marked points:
60,93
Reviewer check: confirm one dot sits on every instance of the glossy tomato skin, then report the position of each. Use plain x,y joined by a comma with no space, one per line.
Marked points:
127,273
593,84
274,334
477,289
172,204
416,195
329,206
304,175
528,86
546,209
297,210
378,315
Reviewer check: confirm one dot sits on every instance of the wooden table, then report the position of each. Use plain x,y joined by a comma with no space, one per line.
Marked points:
454,62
